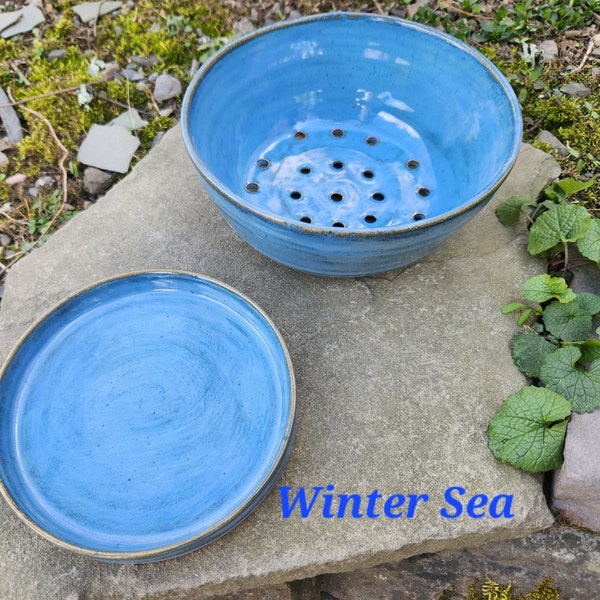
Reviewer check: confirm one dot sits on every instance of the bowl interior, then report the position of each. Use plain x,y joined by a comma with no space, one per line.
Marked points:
352,121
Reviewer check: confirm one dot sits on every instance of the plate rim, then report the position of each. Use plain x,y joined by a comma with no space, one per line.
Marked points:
226,524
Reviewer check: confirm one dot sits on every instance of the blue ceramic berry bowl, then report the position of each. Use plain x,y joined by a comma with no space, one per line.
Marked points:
346,144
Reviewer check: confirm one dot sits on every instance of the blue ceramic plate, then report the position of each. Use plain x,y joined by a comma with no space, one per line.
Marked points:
145,417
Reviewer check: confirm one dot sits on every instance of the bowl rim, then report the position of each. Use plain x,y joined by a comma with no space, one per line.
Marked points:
237,200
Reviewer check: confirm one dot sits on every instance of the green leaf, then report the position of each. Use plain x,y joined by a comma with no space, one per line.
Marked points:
590,351
589,244
529,350
509,211
544,287
524,316
572,186
589,302
555,193
569,322
512,307
529,430
562,223
560,373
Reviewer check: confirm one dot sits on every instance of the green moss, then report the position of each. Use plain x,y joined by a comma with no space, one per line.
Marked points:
170,30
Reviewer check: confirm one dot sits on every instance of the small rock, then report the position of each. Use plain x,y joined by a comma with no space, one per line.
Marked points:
33,191
87,204
155,28
5,240
8,254
595,71
166,112
15,179
88,12
549,50
118,30
44,181
574,33
29,17
108,147
134,75
547,138
130,120
412,9
166,87
146,62
6,144
153,77
596,40
9,18
56,54
96,181
3,159
576,90
243,26
10,119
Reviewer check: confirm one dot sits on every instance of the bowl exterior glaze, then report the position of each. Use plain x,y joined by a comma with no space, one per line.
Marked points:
268,117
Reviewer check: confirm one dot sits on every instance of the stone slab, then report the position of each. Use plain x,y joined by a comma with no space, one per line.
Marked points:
576,486
397,378
570,557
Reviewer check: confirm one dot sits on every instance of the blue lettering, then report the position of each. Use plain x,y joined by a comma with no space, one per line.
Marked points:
299,499
477,501
344,499
413,500
373,497
328,499
505,501
454,502
394,501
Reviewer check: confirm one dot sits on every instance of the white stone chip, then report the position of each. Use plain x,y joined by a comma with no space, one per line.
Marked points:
129,120
108,147
88,12
28,18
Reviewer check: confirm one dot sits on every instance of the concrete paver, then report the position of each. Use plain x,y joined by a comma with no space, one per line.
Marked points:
397,377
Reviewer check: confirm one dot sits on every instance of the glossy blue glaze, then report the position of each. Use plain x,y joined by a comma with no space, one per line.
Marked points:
145,417
346,144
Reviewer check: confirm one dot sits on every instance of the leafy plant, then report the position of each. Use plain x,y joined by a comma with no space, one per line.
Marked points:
492,590
555,346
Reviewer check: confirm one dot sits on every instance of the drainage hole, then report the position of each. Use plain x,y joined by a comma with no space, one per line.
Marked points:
368,174
263,163
423,192
295,195
252,187
372,140
370,219
306,219
338,133
378,196
419,216
300,135
305,170
338,224
336,196
338,165
412,164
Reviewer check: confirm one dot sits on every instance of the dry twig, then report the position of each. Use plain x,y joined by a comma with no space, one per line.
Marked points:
61,165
